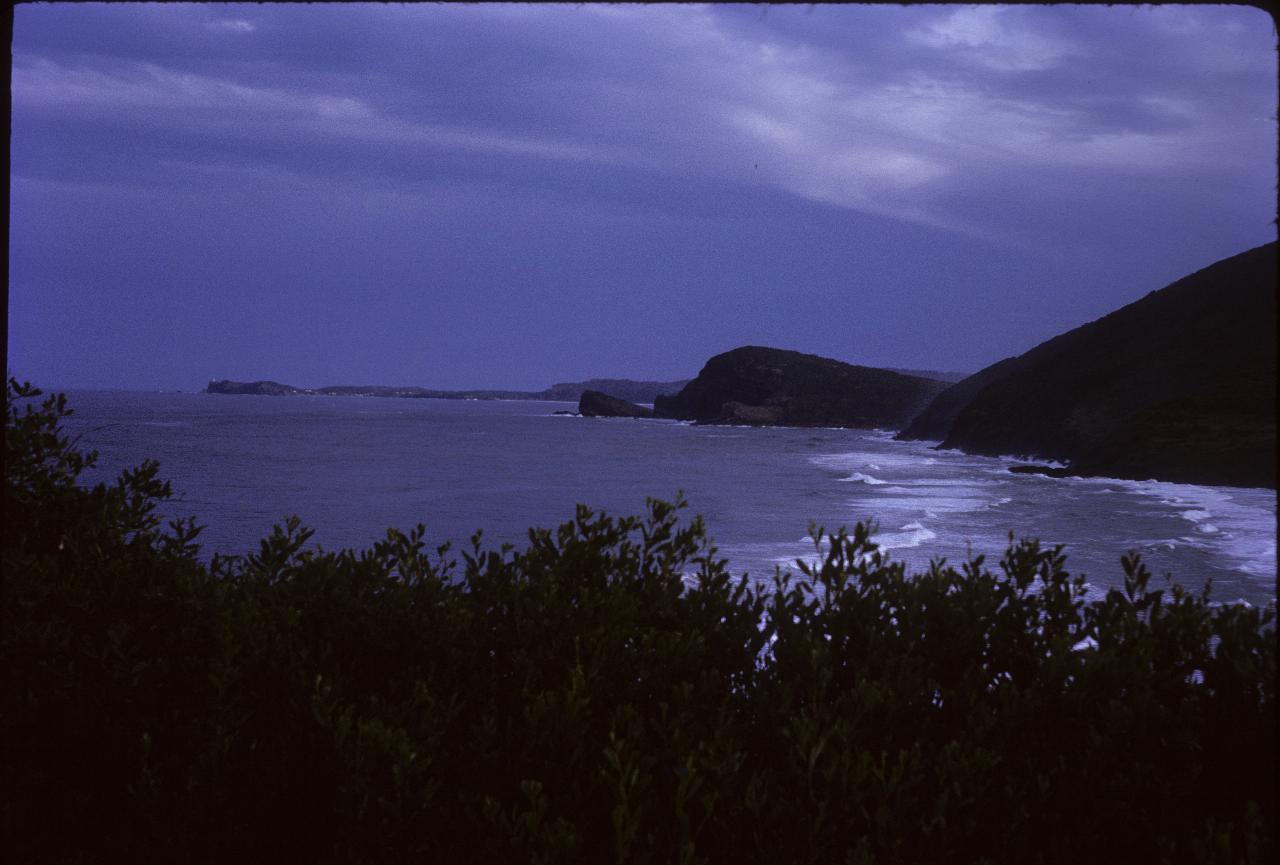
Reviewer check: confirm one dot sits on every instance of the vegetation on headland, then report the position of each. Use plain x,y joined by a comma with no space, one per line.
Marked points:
580,700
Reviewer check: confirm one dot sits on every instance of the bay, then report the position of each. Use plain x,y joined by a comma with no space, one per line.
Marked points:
351,466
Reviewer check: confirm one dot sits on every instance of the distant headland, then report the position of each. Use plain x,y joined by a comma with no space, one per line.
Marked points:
1177,386
621,388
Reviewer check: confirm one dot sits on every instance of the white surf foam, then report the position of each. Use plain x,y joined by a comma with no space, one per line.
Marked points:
950,482
1237,524
922,500
859,477
1031,458
907,463
912,534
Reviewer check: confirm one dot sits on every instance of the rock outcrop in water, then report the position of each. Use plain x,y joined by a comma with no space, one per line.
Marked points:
1178,386
593,403
770,386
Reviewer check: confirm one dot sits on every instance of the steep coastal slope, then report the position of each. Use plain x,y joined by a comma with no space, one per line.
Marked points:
1179,386
935,421
770,386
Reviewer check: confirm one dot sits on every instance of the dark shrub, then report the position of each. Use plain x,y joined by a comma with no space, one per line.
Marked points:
608,693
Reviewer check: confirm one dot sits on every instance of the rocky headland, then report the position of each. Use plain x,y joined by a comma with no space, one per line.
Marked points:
1177,386
594,403
769,386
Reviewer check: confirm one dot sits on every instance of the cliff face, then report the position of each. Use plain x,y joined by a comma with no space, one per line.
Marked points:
770,386
1179,386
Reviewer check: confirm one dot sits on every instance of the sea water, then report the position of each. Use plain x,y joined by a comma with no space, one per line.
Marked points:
352,466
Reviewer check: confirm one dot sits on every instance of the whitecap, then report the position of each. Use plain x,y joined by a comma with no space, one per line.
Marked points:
949,482
1243,524
912,534
859,477
921,499
1032,458
857,460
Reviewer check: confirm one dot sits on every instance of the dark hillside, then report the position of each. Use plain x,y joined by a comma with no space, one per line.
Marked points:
1180,386
935,421
768,386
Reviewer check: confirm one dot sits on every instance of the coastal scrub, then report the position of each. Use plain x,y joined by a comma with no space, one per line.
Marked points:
607,692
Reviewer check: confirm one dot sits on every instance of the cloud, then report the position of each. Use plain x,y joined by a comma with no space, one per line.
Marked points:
984,35
140,90
687,167
44,83
959,125
927,115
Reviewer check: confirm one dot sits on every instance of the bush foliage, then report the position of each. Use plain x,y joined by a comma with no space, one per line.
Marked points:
607,694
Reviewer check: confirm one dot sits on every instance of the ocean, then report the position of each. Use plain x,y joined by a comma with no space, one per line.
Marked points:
350,467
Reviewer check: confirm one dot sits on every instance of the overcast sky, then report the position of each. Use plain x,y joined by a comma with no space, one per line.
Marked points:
509,196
